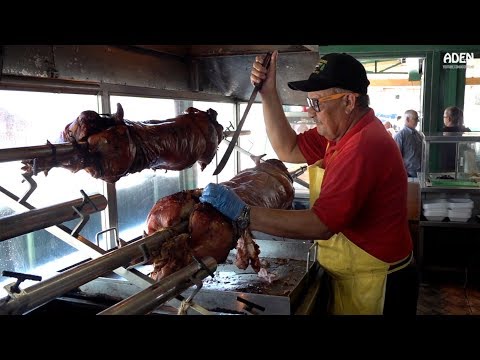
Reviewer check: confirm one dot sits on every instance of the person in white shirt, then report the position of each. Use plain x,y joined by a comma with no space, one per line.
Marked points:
389,128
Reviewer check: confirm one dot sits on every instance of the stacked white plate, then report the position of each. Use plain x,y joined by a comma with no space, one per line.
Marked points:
460,209
435,209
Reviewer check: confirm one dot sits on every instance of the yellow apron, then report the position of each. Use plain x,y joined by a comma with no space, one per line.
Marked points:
358,279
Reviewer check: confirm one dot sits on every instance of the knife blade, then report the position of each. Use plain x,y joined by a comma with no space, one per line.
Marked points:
233,142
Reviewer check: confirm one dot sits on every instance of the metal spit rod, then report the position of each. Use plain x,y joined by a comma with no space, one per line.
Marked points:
230,133
31,152
152,297
56,149
39,294
78,242
295,173
40,218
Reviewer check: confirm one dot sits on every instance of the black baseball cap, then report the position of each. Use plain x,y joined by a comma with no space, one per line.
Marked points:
335,70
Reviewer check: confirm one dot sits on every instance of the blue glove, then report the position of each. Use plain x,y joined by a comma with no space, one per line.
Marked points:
224,200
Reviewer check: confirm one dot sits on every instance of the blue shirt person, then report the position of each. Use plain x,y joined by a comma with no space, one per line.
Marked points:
410,141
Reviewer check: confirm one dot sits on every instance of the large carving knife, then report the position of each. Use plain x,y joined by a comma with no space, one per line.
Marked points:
233,142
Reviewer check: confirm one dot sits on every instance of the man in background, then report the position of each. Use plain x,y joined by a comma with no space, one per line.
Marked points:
453,120
410,141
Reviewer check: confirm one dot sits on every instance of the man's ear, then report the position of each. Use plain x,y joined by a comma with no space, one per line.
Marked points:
350,100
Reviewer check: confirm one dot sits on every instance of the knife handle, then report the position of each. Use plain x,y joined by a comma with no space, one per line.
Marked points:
266,64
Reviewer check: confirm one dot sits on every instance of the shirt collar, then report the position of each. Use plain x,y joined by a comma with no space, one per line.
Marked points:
364,121
410,129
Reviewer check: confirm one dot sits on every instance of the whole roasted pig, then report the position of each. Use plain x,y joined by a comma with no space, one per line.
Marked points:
110,147
268,184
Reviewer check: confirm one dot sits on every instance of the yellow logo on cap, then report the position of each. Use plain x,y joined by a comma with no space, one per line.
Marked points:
320,66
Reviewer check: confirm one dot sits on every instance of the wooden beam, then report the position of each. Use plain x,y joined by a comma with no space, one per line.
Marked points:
393,82
405,82
472,81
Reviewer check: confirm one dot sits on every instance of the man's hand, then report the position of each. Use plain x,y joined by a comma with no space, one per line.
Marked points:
259,73
224,200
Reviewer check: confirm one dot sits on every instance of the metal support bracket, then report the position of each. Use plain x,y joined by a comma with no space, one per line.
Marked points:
83,218
13,289
204,267
115,232
33,186
146,257
198,283
186,303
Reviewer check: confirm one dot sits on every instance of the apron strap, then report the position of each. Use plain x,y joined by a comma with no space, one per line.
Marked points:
401,264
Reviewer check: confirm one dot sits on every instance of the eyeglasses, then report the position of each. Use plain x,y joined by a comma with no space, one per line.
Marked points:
315,103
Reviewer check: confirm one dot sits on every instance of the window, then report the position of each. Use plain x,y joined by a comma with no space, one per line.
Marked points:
471,111
28,119
32,118
257,143
226,118
145,188
395,86
138,192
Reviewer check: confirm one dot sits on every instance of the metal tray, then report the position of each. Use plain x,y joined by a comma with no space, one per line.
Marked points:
237,291
287,273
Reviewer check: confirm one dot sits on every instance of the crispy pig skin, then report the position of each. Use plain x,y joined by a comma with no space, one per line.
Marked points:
118,147
268,184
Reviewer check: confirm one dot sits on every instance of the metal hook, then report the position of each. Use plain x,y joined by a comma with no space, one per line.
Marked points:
146,256
83,220
54,153
198,283
299,171
203,266
86,200
33,185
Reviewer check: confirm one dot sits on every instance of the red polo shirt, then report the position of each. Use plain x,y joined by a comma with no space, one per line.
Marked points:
364,189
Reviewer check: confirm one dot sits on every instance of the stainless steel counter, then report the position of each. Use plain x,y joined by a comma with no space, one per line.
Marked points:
291,290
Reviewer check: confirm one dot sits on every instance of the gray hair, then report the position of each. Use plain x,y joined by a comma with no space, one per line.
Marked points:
456,114
411,114
363,100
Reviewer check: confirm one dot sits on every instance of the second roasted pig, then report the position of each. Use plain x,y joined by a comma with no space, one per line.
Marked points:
268,184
